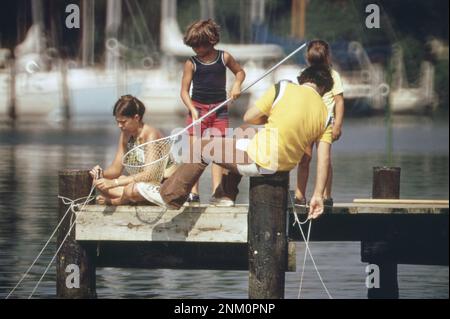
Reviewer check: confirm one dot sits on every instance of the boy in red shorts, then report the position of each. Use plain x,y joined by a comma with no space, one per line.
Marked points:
206,72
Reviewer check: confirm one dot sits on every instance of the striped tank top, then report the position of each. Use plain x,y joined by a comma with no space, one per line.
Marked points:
209,80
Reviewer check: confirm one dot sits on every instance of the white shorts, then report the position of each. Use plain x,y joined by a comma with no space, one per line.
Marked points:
246,169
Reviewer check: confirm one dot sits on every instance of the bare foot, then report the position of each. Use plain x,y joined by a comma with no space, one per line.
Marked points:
102,200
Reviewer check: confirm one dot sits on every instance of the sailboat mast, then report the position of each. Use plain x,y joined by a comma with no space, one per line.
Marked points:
113,21
207,9
88,31
37,14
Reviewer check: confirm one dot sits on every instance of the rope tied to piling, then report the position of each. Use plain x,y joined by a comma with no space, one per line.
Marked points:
72,223
72,202
73,207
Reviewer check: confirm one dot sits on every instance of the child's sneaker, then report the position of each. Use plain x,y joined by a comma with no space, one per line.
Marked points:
151,193
221,202
328,202
193,200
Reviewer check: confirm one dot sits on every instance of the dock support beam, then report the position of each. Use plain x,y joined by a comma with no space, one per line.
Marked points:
75,265
267,238
386,185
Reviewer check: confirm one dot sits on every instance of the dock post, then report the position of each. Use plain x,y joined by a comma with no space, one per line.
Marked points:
386,185
75,265
267,235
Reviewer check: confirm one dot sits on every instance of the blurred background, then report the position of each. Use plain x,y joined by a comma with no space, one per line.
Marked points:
58,86
135,46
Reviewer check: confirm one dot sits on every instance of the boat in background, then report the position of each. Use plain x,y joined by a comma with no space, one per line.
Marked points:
49,87
404,98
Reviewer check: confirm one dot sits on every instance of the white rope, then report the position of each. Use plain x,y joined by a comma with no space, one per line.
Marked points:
304,263
66,201
38,256
306,240
72,205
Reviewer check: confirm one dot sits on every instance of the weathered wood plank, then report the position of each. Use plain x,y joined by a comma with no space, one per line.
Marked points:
179,255
347,222
147,223
401,201
357,227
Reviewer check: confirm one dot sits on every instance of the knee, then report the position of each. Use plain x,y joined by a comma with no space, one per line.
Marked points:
130,192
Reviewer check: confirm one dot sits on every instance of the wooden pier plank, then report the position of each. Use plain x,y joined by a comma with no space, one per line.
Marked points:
346,222
414,228
179,255
150,223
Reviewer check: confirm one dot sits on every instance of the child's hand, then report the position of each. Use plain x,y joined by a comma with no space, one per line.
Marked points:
235,92
194,114
315,207
96,172
104,184
336,132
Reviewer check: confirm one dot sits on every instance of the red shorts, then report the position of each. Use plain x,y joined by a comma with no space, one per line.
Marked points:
216,123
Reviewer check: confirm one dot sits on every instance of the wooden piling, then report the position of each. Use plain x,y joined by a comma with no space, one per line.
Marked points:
74,184
386,185
267,238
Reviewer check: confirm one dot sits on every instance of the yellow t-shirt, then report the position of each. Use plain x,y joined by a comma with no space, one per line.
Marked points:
338,88
296,119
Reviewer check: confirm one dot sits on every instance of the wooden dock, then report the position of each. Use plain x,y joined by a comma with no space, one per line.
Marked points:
259,237
413,228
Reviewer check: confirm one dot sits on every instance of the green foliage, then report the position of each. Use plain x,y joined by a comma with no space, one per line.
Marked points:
441,83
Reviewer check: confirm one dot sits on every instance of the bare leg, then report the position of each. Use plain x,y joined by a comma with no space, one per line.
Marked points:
216,173
175,189
302,177
195,187
327,192
111,193
131,194
107,196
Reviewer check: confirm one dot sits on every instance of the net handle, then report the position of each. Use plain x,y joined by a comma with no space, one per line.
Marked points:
172,137
245,89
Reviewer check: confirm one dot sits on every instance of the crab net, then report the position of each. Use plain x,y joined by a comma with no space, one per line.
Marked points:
147,162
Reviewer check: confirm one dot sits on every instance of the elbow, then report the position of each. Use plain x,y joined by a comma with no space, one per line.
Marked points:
249,120
242,75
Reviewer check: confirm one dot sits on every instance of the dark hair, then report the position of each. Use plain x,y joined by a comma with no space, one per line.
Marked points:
318,53
320,75
129,106
202,32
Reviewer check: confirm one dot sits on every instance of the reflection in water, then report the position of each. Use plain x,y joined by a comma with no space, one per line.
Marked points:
29,164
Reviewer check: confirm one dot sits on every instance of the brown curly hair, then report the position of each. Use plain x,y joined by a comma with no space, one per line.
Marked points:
203,32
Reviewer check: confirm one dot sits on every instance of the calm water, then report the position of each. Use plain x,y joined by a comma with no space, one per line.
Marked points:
31,155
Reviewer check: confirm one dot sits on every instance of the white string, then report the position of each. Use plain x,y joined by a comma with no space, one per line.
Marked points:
72,204
306,240
39,255
66,201
304,263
